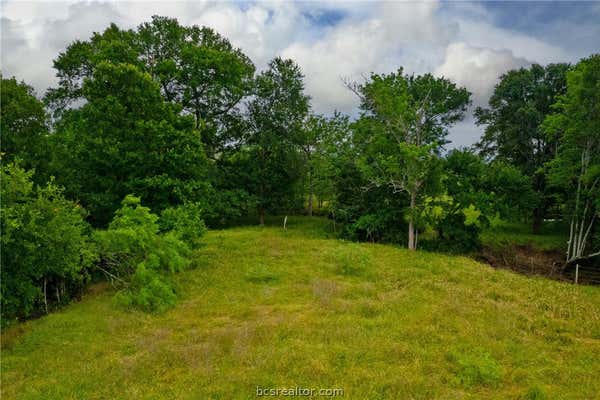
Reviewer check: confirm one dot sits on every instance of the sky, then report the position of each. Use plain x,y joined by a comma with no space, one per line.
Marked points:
471,43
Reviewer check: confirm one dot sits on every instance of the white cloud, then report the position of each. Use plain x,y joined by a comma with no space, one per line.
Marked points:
392,35
477,68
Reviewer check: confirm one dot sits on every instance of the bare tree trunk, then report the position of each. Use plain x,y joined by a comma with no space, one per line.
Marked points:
411,226
578,234
261,215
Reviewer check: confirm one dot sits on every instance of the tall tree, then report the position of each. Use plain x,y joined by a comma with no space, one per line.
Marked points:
402,128
513,132
275,116
195,68
576,169
23,125
127,139
320,141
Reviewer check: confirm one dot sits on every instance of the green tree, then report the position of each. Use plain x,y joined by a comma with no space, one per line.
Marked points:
575,171
321,141
275,117
474,192
127,139
137,257
45,245
23,125
194,67
401,131
513,132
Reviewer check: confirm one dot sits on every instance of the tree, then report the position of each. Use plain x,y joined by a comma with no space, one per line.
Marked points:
127,139
321,140
402,128
513,132
474,192
194,67
275,116
45,245
576,168
23,125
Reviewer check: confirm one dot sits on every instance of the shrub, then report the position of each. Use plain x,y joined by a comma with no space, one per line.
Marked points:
185,221
45,246
148,290
131,235
141,259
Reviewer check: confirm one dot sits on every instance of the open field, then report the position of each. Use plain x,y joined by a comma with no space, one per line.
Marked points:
276,309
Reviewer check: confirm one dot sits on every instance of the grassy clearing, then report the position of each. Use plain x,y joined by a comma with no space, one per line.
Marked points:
277,309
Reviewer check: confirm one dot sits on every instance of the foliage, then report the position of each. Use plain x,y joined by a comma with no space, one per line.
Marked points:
374,215
457,225
194,67
403,125
475,191
275,116
126,139
24,126
140,259
185,221
45,246
322,142
514,133
575,171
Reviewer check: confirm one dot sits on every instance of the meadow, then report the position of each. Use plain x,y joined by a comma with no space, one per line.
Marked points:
272,308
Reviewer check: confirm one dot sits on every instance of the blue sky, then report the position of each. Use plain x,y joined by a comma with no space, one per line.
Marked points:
472,43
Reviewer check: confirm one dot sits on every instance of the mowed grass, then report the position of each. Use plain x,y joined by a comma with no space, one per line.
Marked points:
276,309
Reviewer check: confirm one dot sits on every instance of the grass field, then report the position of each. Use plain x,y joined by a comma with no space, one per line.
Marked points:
276,309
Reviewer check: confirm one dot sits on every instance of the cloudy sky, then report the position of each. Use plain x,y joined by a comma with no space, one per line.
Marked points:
471,43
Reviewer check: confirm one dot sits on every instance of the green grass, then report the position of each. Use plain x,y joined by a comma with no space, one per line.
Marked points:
276,309
505,234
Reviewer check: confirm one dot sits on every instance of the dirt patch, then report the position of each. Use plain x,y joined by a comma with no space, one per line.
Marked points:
527,260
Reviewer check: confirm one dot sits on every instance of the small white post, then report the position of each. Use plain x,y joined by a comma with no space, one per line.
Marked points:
576,273
285,223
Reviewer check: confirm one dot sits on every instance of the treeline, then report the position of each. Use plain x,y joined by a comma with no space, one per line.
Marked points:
153,133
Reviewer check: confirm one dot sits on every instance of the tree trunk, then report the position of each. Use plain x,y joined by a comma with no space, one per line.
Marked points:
538,220
310,194
261,207
45,297
411,226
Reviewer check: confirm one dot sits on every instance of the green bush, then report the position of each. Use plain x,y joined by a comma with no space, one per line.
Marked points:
45,246
135,254
186,221
149,290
